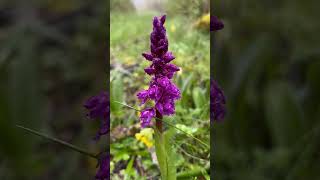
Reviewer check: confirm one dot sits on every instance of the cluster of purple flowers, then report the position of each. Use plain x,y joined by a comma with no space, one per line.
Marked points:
99,108
217,99
161,90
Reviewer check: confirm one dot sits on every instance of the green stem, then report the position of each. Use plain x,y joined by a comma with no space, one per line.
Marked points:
164,152
66,144
159,122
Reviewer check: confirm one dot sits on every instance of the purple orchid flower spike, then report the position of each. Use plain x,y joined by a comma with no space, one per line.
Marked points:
161,90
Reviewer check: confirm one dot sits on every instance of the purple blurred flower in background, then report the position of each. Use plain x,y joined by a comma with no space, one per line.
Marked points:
161,90
103,172
215,24
217,99
99,108
217,102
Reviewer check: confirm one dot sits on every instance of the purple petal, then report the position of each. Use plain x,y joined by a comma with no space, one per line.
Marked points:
172,67
163,19
147,56
143,96
155,22
163,82
168,108
159,107
153,91
149,70
168,57
146,116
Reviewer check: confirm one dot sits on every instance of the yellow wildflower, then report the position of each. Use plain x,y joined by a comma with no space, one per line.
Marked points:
173,28
206,18
204,21
145,136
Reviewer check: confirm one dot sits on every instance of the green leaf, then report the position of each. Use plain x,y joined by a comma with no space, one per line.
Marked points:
186,83
193,173
170,153
129,171
187,129
198,97
116,94
165,154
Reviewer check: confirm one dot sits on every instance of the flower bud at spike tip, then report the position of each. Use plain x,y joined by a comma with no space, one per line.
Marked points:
163,19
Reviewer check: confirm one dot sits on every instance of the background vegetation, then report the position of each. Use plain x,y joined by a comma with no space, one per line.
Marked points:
267,60
52,57
129,37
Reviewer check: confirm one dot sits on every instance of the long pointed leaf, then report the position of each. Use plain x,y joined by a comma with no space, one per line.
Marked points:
165,155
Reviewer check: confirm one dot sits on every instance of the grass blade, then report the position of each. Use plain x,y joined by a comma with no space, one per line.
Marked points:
66,144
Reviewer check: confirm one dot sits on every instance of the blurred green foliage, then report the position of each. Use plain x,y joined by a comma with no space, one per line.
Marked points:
188,8
52,57
267,61
129,37
123,6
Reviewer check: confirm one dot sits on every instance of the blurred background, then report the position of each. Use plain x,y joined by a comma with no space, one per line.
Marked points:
52,58
187,24
267,60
